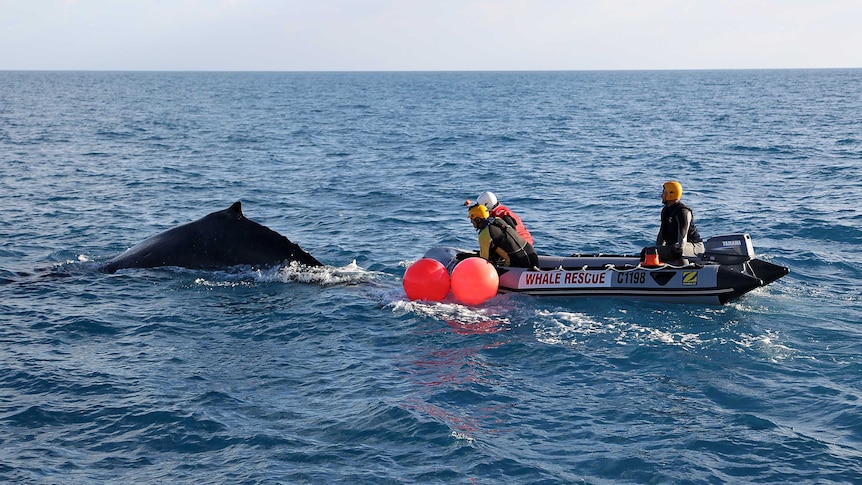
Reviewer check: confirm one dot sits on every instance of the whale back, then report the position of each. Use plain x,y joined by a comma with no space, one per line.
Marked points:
221,239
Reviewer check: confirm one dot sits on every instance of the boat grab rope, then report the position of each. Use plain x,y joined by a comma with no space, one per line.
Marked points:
613,267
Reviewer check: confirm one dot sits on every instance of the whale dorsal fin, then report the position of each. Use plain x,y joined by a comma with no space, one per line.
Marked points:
236,209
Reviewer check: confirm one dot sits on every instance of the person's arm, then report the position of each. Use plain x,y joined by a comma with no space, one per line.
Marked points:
485,244
504,255
684,225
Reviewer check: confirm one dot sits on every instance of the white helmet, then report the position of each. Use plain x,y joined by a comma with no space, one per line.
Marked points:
488,199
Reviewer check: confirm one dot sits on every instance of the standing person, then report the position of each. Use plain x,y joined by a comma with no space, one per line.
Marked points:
499,242
498,210
677,233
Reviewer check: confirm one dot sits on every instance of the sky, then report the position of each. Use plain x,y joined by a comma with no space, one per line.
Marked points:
428,35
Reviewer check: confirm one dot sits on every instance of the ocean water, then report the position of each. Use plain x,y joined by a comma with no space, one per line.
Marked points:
334,376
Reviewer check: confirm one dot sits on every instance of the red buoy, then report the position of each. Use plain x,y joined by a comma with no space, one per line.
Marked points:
474,281
426,279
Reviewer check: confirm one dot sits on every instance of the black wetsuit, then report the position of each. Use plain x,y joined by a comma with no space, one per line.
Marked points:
672,219
503,236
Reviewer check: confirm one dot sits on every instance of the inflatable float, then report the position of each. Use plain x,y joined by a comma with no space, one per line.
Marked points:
725,271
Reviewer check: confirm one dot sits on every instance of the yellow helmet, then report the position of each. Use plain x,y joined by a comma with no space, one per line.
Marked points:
478,211
673,190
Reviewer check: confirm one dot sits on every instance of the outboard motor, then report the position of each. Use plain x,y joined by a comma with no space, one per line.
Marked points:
730,250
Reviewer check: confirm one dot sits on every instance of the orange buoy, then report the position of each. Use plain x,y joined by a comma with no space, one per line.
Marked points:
474,281
426,279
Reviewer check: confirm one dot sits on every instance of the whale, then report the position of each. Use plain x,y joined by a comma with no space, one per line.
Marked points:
221,239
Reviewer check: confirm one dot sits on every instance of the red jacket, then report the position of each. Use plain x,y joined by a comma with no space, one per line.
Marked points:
502,212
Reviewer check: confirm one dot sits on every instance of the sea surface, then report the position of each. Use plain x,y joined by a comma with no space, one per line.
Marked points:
294,376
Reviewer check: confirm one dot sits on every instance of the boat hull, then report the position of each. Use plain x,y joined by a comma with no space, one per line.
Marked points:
702,282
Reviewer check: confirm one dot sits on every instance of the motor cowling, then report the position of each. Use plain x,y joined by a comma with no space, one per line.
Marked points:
731,249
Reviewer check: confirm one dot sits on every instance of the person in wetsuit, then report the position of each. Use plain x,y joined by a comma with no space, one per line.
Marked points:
498,210
677,236
499,242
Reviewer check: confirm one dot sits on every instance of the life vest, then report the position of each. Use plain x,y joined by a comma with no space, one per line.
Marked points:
502,212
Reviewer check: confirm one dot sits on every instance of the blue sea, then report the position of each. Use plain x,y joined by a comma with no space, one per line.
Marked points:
293,376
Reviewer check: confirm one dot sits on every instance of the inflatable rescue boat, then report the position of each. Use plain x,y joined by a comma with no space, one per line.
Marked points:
725,271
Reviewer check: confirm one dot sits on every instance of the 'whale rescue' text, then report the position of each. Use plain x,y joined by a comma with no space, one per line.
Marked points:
565,279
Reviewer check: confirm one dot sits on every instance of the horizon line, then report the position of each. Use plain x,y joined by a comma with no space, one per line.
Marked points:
433,70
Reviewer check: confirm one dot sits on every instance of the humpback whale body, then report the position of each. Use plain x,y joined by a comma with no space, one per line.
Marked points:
221,239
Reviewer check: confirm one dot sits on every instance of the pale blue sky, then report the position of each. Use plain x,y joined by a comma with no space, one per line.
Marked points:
291,35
